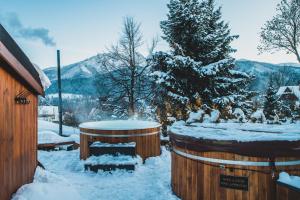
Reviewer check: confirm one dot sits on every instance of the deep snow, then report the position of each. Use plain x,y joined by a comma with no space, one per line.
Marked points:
50,137
242,132
49,126
48,133
65,178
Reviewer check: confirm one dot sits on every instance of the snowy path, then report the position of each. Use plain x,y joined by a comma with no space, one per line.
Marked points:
150,181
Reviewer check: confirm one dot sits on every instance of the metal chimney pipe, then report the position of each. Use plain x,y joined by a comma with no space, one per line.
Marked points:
59,92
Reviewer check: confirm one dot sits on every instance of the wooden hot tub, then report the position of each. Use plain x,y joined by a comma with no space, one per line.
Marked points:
206,166
145,134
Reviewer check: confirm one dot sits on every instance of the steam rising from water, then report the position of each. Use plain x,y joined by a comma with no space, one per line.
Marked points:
13,24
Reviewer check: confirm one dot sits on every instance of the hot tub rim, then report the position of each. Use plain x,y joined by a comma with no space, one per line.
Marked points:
264,149
157,126
121,133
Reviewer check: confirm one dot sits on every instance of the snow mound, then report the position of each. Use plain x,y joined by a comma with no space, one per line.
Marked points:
289,180
244,132
43,176
47,186
50,137
48,133
120,125
49,126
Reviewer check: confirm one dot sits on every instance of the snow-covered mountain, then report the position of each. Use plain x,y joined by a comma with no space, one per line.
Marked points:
262,71
83,69
78,77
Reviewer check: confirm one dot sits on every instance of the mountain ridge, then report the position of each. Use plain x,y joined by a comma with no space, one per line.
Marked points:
77,78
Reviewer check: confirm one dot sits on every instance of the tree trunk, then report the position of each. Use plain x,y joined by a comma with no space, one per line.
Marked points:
131,99
298,57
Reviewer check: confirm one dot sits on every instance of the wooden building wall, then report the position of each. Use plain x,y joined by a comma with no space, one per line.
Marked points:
18,136
286,192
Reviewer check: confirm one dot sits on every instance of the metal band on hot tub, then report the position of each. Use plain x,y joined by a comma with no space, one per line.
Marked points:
120,136
234,162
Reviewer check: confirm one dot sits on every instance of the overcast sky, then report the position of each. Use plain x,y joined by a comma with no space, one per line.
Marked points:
84,28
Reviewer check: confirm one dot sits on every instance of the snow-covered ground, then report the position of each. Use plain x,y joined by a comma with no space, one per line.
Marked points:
50,137
65,178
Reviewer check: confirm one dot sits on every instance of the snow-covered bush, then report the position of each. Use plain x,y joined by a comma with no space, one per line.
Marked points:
196,116
258,117
239,115
207,116
215,116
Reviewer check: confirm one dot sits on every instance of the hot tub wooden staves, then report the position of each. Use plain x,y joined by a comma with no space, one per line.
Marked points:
19,89
230,170
147,139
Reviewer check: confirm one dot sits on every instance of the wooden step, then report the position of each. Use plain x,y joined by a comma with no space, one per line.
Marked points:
111,163
109,167
98,149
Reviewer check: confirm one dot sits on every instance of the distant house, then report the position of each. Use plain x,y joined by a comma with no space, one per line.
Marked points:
290,94
48,113
20,85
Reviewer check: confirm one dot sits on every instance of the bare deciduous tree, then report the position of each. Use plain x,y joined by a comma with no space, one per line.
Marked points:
283,77
125,67
283,31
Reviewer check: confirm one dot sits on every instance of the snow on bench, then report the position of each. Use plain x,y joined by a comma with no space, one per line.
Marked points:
50,137
50,126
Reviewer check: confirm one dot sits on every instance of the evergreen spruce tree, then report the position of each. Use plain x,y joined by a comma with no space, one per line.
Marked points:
199,65
195,29
271,103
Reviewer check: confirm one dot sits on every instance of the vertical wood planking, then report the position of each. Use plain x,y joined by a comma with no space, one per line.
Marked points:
197,180
284,192
18,136
146,146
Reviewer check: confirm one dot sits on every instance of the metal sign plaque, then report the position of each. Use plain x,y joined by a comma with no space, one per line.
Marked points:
234,182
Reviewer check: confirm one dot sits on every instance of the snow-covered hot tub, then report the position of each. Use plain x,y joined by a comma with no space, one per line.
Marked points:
232,161
145,134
